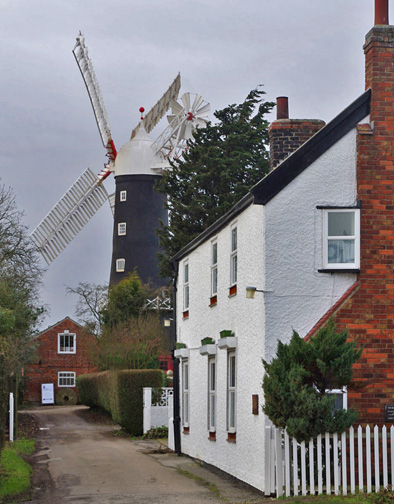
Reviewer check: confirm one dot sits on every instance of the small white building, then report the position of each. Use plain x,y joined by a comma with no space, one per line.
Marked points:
280,238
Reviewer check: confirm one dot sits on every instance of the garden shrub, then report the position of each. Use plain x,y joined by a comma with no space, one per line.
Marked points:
119,393
3,400
128,404
87,389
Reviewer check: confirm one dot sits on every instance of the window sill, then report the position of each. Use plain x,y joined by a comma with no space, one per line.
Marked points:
212,436
213,301
339,270
208,349
226,343
231,437
185,315
232,291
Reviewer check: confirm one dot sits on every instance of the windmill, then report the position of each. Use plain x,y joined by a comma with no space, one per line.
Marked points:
137,207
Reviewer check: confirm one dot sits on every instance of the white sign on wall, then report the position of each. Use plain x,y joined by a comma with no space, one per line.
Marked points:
47,394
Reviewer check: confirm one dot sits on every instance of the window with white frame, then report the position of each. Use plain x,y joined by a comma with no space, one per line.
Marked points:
212,394
341,238
185,286
214,269
185,393
120,265
231,391
340,402
66,343
123,195
233,257
66,379
121,228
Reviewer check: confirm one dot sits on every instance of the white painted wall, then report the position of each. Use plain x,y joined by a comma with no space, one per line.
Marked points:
293,245
279,249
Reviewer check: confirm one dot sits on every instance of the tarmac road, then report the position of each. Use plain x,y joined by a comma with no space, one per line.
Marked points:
84,463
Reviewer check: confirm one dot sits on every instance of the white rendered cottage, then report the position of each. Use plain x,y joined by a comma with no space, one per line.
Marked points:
276,239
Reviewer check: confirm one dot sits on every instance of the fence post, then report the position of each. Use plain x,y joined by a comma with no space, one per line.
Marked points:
269,461
171,439
11,417
147,397
279,462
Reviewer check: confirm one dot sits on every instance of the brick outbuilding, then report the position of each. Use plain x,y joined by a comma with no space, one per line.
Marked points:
64,351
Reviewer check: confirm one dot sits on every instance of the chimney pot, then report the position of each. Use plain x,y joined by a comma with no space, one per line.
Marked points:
282,107
381,12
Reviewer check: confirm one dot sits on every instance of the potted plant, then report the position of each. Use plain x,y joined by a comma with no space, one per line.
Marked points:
207,341
226,333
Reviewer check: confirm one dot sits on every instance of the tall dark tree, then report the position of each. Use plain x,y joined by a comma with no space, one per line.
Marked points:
297,383
223,161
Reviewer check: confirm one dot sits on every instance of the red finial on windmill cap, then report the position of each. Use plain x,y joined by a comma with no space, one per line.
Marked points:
381,12
142,110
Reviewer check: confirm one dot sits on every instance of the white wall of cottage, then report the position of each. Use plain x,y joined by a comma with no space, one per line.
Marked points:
279,250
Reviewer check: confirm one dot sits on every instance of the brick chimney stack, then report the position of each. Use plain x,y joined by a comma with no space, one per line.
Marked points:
379,67
286,135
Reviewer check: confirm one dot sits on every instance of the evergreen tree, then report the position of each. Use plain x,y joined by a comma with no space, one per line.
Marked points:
298,380
223,161
125,301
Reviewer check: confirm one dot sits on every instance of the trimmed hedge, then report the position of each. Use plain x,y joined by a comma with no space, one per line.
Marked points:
119,393
3,400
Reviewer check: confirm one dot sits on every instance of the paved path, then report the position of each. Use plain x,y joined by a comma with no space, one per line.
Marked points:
84,463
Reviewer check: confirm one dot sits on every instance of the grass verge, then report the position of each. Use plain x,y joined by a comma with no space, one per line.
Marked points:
15,473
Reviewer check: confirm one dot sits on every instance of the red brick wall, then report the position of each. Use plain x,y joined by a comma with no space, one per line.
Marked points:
369,313
49,362
286,135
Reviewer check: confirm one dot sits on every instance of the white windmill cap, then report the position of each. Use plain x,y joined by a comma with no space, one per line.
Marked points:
137,156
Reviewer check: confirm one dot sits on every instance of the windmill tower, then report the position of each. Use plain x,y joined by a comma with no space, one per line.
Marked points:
137,207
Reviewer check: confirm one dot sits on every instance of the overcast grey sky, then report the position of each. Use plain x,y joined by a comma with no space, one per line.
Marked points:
309,50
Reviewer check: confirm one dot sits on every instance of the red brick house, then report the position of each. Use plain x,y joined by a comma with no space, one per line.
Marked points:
63,352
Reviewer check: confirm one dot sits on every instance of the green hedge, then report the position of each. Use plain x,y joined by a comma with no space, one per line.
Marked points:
3,400
119,393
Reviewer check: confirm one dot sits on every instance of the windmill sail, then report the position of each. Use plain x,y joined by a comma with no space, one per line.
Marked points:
69,216
84,63
161,107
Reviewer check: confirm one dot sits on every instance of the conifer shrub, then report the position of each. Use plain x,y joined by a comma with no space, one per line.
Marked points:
297,383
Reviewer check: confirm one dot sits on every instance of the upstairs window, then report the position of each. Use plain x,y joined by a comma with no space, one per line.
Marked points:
233,257
121,228
186,287
123,195
341,238
214,270
66,343
120,265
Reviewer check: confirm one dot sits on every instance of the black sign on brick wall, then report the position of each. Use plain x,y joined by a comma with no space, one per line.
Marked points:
389,413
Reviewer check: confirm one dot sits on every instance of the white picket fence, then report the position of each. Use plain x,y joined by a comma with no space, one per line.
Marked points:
359,459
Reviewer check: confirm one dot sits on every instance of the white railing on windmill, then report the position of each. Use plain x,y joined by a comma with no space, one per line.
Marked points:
79,204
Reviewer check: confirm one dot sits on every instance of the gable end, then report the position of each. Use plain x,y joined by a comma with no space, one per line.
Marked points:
311,150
